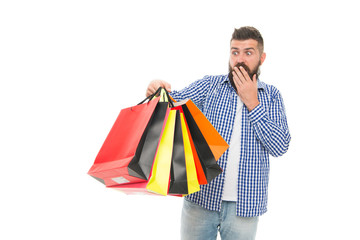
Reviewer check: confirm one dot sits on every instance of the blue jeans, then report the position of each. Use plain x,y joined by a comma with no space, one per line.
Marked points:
198,223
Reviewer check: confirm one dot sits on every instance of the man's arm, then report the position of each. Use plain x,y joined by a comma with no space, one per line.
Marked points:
271,126
196,91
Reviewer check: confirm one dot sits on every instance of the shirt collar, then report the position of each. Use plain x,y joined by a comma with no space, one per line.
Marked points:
260,84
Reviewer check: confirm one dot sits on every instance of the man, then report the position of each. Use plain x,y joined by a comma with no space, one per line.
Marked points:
250,116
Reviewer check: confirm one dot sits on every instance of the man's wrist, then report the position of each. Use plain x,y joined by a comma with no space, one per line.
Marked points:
251,106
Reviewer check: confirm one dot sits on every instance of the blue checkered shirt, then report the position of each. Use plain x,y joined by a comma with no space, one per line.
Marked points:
264,131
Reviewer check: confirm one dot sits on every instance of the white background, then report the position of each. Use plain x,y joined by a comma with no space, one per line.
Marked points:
68,67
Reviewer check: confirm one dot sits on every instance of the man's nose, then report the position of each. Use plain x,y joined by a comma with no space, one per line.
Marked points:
240,58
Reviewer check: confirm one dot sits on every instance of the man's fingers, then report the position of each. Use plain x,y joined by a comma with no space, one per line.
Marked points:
254,78
149,92
155,84
167,86
237,81
237,75
151,89
244,73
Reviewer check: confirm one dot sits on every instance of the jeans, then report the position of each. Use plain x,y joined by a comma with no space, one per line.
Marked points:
198,223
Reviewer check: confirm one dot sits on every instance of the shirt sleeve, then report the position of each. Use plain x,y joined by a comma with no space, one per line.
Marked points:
196,91
270,126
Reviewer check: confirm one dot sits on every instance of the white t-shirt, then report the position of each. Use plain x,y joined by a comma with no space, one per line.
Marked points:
232,166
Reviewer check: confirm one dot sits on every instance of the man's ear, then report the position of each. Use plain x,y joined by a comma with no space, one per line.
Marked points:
262,58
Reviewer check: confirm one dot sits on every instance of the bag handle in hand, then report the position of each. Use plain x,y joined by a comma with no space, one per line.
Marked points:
162,93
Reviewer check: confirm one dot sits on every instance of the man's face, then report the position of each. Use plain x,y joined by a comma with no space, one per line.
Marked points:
245,53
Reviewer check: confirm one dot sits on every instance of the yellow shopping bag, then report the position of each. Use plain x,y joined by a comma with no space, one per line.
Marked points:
160,175
192,179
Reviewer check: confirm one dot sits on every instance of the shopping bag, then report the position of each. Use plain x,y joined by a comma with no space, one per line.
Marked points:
198,166
178,175
160,174
192,178
174,170
216,143
123,143
207,141
141,164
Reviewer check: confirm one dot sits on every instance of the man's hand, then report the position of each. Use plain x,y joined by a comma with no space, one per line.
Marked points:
246,88
155,84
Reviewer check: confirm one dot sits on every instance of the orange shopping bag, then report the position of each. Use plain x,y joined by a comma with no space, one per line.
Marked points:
207,141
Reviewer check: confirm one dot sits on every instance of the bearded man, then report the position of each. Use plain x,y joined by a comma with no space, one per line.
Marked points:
250,115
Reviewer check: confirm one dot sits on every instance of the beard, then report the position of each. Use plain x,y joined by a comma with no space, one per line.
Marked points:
247,69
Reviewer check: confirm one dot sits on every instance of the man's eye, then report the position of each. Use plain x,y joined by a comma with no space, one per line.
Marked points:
235,53
248,53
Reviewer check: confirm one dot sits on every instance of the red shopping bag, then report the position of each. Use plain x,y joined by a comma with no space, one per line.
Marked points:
119,148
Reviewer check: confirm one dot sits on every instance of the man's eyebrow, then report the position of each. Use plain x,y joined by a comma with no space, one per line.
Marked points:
250,48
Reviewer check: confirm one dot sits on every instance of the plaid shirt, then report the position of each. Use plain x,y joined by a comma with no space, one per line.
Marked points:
264,131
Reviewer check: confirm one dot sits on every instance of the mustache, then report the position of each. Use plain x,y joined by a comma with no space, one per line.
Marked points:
238,65
244,66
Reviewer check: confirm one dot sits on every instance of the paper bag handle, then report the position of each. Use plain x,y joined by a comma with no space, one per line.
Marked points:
165,97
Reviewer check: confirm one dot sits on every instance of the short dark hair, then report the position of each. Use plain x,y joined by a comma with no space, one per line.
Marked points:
245,33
